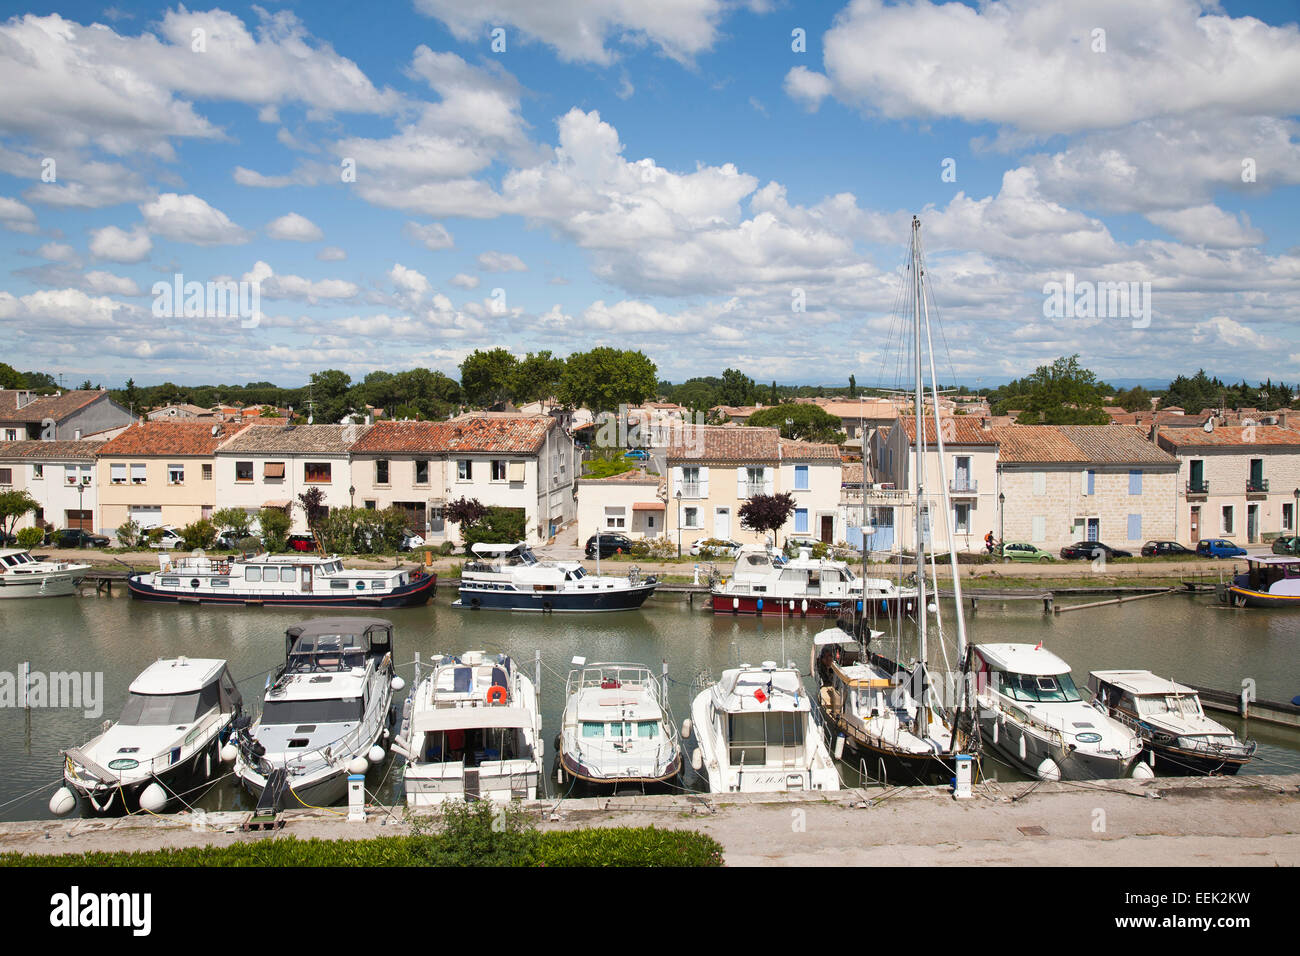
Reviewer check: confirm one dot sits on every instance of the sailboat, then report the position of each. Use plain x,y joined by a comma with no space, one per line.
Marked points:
880,712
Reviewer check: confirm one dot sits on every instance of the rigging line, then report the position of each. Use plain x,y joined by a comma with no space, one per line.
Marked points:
31,793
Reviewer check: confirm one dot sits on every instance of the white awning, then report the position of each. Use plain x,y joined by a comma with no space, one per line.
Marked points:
470,718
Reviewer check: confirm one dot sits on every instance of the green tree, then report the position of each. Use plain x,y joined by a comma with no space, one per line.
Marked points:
235,520
275,524
800,420
329,393
13,505
488,378
10,377
737,388
853,387
537,377
1063,393
200,534
605,378
498,526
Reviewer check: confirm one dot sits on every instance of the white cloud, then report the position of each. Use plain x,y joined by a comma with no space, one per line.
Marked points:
16,217
294,228
273,286
1031,64
463,281
433,236
493,261
57,252
117,245
807,86
331,254
106,283
579,30
1208,225
1221,330
409,282
190,219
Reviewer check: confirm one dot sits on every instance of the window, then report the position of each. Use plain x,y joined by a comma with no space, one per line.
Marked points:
117,474
317,472
498,470
517,470
253,575
6,476
86,473
800,477
1089,482
692,519
38,471
243,471
800,520
1288,519
175,474
370,504
464,470
422,472
650,522
381,471
615,517
1226,520
1040,482
273,471
206,472
1135,482
70,474
11,434
137,474
1134,527
1039,532
962,514
690,482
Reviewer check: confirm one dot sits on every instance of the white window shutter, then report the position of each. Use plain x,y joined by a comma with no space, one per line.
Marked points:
704,482
677,480
1083,486
769,478
741,483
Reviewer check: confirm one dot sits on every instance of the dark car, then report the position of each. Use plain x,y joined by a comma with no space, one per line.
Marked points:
1218,548
301,542
1087,550
1157,549
1288,544
610,544
77,538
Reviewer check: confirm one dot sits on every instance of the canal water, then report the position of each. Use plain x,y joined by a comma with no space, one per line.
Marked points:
1185,637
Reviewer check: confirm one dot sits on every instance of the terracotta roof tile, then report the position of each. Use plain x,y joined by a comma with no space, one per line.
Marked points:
1077,444
57,407
851,473
511,434
50,449
1228,436
965,430
720,443
169,438
259,438
801,450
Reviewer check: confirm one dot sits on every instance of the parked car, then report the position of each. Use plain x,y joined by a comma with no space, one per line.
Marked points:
1158,549
1288,544
1218,548
1087,550
610,544
640,454
301,542
410,540
714,548
1023,551
801,541
77,538
170,540
226,541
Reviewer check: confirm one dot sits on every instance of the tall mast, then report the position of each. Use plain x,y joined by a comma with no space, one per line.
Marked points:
923,711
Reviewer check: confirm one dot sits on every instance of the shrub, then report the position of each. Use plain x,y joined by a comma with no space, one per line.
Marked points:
275,524
662,548
641,548
447,547
234,520
154,537
31,537
248,545
200,534
498,526
128,534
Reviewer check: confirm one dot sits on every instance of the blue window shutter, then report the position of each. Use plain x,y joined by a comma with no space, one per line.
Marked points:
1092,482
1135,482
800,477
801,521
1134,527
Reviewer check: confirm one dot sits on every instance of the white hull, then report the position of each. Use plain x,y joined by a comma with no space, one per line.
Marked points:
46,585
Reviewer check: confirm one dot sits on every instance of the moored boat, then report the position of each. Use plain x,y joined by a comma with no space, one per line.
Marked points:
325,711
299,580
803,585
510,577
1168,717
22,575
616,730
1271,580
178,713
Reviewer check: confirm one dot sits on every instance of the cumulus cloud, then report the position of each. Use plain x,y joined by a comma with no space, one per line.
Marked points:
118,245
807,86
190,219
493,261
463,281
294,228
433,236
331,254
106,283
313,291
1208,225
16,217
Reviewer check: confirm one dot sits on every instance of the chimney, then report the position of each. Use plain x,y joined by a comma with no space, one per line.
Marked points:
1281,418
1155,434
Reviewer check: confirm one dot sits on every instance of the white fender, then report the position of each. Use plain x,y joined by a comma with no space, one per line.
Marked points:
1022,745
358,765
376,754
996,725
686,729
229,752
154,798
63,802
1142,771
397,683
804,606
839,747
559,774
1048,769
697,760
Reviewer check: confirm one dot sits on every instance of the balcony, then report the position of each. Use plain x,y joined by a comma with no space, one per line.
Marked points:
1198,489
963,487
1256,487
690,489
752,489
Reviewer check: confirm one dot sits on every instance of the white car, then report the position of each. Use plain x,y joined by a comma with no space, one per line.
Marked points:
170,539
729,548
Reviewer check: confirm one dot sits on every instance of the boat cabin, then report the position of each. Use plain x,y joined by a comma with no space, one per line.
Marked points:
1141,694
1272,574
1023,672
336,644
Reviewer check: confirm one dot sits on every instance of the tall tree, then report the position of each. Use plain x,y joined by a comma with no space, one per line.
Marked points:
537,376
767,513
800,420
488,378
1063,393
605,378
737,388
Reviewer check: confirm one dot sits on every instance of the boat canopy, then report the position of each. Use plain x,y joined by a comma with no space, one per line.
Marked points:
331,636
1022,659
483,549
1139,683
1276,560
180,675
835,635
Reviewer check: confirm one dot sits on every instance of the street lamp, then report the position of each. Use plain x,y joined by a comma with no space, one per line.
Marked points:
1295,509
352,496
1002,519
679,522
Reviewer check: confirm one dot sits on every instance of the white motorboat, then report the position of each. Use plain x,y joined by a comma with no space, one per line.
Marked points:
292,580
168,739
22,575
760,583
472,730
325,711
753,732
510,577
1178,737
1033,717
616,730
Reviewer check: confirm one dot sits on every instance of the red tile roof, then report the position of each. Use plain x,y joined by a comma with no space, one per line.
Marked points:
259,438
1077,444
1230,436
851,473
169,438
723,443
511,434
807,450
964,430
50,449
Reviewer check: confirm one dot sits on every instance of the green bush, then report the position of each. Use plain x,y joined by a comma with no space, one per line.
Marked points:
446,548
498,526
248,545
200,534
128,534
154,537
275,524
31,537
235,520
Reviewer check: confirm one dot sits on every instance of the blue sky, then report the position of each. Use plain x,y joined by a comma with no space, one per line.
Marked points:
669,178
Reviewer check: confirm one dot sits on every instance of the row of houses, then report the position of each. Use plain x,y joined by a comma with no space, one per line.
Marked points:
174,473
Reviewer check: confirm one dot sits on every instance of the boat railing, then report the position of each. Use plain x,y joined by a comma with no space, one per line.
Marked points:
155,765
613,677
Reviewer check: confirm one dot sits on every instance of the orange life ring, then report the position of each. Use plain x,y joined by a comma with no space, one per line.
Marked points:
496,694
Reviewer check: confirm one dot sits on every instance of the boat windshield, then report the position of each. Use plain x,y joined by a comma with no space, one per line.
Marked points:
325,711
161,710
1170,705
577,574
1042,688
